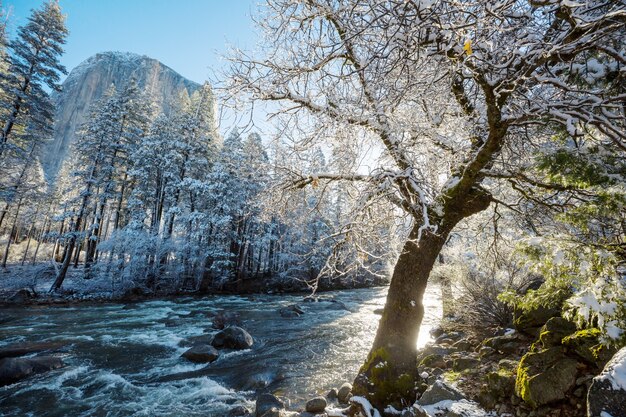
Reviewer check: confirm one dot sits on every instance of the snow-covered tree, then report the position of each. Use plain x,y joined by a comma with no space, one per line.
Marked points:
448,93
34,66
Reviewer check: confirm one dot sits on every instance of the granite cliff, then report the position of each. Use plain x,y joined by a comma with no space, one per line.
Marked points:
87,83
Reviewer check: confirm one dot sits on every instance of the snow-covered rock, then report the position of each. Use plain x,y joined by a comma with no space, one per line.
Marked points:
607,394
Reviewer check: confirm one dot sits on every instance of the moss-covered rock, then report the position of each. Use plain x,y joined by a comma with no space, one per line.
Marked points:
508,344
586,345
433,361
531,321
545,377
553,332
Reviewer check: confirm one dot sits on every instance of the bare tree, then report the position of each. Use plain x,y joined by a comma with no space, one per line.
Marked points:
446,93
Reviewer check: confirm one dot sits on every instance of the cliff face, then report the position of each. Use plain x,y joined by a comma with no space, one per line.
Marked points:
88,82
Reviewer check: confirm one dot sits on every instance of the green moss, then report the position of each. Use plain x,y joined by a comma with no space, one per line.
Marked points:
586,334
429,360
385,386
522,383
586,344
451,376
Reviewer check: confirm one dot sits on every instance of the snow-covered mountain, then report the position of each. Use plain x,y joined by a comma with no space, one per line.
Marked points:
87,83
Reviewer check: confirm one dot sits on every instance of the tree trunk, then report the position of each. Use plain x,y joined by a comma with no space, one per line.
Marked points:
389,375
30,235
390,372
11,233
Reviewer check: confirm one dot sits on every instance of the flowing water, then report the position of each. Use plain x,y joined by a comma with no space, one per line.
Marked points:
124,359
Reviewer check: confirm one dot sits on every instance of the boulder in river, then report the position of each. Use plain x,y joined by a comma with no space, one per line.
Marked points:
293,310
233,338
15,369
344,393
27,348
316,405
266,402
607,394
201,354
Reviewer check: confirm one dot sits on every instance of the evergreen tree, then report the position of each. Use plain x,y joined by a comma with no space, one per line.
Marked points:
34,65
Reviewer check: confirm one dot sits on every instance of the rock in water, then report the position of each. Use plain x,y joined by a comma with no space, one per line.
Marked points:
343,395
607,394
439,391
27,348
238,411
266,402
15,369
233,338
292,310
201,354
316,405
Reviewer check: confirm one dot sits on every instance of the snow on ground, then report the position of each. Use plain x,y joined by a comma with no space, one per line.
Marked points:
39,278
463,408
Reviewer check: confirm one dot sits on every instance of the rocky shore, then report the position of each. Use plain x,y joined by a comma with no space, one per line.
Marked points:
544,367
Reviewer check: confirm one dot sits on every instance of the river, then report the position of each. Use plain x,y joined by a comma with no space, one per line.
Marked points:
124,359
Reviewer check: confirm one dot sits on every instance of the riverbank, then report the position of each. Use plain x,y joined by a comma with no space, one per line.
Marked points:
31,284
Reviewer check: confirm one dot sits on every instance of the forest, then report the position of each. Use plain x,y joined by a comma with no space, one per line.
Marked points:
159,202
463,154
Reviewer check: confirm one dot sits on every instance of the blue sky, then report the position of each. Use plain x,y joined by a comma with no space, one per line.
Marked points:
187,35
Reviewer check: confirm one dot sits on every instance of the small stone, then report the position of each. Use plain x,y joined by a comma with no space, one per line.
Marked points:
433,361
332,394
268,403
584,380
461,364
316,405
485,351
440,391
462,345
344,393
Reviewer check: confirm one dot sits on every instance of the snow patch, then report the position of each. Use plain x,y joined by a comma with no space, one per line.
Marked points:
615,371
366,406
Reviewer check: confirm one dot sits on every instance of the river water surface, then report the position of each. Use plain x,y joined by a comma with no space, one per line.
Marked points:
124,359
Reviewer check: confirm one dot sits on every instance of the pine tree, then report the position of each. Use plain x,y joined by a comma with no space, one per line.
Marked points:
34,65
